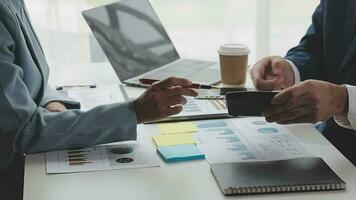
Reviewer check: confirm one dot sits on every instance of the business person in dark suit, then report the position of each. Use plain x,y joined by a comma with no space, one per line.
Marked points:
325,62
35,118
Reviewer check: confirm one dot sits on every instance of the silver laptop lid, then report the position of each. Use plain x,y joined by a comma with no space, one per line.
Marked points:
132,37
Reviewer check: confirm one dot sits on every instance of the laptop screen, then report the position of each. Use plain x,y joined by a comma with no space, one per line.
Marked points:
132,37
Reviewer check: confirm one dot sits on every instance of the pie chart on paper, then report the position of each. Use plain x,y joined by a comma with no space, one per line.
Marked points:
259,122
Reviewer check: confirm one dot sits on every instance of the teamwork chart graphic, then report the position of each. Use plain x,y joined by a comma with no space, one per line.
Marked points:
246,139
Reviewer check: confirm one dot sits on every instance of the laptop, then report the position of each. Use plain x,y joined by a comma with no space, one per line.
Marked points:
137,45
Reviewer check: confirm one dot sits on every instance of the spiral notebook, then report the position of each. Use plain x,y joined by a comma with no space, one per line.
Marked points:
292,175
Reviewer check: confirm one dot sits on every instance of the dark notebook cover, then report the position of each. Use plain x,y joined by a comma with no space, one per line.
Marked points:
292,175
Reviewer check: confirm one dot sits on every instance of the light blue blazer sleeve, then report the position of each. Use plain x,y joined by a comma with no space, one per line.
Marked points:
26,127
51,95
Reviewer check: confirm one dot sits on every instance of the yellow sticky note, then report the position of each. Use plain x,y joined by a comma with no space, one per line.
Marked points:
176,139
179,127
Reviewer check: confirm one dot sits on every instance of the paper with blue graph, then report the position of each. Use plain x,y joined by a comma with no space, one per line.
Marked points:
246,139
201,109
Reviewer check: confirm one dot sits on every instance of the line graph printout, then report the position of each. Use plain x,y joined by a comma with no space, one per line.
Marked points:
246,139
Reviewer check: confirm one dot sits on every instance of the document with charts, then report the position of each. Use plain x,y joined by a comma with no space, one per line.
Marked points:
124,155
246,139
201,109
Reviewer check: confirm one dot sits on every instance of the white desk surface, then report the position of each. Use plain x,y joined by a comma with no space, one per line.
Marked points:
185,180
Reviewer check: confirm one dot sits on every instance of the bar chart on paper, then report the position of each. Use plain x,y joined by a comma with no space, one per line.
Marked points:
223,144
100,158
91,156
79,157
246,139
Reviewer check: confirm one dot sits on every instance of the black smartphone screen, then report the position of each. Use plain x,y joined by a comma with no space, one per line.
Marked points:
250,103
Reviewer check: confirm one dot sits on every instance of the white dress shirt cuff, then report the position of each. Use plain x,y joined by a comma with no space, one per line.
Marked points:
350,120
295,71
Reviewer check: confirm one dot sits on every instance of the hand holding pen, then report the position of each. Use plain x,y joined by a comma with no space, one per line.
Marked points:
163,99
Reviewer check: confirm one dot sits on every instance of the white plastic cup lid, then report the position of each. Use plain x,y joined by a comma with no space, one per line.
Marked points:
233,50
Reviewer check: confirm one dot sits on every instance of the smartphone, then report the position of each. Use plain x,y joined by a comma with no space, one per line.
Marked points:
248,103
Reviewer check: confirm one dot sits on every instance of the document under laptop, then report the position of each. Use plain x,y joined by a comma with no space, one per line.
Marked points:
90,98
137,45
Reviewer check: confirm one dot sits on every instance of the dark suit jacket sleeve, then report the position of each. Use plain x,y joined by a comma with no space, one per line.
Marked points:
308,55
26,127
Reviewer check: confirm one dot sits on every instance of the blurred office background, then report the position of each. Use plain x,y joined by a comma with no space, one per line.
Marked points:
196,27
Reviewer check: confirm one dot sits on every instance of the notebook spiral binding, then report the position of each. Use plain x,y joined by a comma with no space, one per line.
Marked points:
285,188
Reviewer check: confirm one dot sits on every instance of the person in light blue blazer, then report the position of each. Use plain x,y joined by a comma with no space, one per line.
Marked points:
35,118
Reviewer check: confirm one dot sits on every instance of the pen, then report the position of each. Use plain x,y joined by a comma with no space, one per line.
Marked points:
73,86
148,81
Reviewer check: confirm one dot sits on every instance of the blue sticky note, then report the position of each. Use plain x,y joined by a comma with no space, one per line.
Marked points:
182,152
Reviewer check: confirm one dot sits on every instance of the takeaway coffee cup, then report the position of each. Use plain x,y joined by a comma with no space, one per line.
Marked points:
233,63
